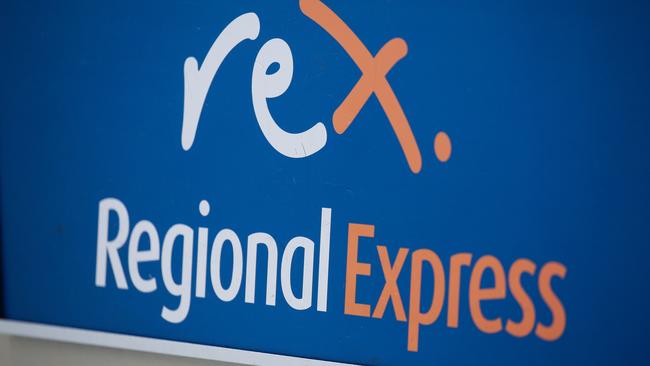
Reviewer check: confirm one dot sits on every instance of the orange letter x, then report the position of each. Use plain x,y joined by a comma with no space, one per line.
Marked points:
391,290
373,79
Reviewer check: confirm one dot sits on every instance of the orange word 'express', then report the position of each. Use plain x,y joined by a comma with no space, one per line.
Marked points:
446,287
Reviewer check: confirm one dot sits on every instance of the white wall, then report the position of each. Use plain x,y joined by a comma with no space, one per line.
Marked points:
18,351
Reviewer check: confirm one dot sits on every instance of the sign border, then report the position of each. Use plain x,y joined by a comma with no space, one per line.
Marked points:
153,345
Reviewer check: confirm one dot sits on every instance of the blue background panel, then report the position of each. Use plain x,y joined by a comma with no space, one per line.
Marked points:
546,105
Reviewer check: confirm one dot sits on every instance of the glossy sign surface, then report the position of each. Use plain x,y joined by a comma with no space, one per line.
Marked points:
366,182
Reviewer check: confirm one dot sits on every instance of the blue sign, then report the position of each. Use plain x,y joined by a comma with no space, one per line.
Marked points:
389,183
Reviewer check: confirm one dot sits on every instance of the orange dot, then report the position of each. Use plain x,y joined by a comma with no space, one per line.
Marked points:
442,146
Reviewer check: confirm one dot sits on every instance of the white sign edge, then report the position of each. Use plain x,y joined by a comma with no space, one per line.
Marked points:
152,345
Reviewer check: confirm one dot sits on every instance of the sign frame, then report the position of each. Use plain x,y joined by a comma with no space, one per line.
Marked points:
153,345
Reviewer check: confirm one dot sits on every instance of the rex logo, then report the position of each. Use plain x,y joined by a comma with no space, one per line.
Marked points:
374,69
